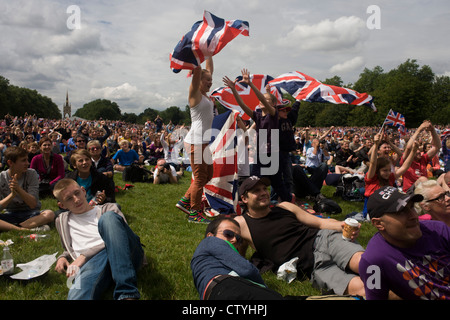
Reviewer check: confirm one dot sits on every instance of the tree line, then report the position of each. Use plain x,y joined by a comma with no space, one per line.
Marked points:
410,89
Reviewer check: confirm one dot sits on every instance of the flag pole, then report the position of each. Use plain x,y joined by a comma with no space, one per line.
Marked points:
384,122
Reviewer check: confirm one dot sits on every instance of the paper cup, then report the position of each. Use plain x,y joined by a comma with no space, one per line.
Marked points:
350,226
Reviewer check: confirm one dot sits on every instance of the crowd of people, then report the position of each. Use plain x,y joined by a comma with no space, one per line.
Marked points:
406,183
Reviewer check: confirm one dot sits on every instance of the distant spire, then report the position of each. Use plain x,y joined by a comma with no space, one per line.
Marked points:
67,107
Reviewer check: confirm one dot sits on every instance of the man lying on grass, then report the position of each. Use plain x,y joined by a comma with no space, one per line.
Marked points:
100,244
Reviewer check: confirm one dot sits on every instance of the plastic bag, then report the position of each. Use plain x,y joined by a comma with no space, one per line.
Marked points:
35,268
288,270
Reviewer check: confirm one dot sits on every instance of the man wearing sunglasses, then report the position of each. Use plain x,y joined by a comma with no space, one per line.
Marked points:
407,258
285,231
220,272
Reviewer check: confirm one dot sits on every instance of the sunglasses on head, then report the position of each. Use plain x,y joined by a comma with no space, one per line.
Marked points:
231,234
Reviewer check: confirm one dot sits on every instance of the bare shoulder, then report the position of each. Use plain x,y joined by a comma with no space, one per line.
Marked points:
245,232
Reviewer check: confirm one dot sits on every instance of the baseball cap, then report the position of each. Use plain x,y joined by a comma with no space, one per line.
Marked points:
389,200
250,182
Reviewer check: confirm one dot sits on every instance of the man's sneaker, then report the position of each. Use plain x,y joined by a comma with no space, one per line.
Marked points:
184,205
197,217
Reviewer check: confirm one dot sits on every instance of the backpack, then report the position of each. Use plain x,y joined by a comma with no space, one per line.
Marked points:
351,188
136,173
327,206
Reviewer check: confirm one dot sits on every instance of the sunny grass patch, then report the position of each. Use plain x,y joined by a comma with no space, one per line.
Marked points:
169,241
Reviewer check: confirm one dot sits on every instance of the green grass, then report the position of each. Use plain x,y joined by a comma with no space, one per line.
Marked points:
169,243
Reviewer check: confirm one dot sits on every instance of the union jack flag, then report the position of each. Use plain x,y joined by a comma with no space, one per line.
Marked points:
395,119
206,38
445,134
226,98
222,190
306,88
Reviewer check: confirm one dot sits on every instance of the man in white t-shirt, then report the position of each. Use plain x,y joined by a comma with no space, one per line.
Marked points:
102,247
164,173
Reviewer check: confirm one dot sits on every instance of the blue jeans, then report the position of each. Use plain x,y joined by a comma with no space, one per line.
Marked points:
118,263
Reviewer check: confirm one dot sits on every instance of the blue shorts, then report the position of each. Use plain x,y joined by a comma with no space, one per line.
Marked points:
17,217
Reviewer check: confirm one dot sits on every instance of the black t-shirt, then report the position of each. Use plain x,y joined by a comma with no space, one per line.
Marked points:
280,237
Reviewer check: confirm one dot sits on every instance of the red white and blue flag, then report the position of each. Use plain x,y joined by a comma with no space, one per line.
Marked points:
222,190
225,96
395,119
206,38
306,88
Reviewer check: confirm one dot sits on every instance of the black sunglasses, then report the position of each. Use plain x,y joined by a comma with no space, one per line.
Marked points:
440,197
231,234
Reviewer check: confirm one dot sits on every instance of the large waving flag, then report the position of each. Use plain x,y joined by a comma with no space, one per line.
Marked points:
226,98
206,38
222,190
306,88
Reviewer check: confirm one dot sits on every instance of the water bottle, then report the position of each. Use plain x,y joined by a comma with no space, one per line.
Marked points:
7,262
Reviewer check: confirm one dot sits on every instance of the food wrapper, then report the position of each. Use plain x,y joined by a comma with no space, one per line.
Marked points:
6,243
288,270
35,268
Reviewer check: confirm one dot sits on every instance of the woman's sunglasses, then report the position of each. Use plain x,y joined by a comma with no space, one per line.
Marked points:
231,234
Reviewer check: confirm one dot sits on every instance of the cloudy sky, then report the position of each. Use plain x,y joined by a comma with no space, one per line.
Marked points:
121,49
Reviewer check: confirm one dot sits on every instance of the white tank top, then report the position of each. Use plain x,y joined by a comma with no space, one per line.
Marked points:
202,117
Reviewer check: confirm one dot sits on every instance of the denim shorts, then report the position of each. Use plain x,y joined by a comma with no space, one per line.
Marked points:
331,256
17,217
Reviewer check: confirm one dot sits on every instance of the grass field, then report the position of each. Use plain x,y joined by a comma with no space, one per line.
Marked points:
169,243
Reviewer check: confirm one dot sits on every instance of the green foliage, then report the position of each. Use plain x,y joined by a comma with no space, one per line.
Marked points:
410,89
100,108
17,101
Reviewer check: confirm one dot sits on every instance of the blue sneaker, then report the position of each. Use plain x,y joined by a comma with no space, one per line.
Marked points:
196,216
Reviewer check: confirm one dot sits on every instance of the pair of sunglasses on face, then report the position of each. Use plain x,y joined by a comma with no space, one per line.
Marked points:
231,234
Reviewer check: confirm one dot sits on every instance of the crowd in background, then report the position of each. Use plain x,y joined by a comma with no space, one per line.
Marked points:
344,150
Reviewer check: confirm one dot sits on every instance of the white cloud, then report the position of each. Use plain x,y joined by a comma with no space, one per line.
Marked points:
349,65
343,33
122,50
124,91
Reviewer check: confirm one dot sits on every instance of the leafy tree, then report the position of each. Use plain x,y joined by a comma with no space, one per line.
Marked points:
100,108
17,101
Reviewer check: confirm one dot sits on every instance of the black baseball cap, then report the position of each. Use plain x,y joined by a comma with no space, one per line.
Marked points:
389,200
250,182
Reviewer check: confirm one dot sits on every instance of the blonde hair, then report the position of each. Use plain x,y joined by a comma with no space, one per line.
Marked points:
93,143
62,185
423,188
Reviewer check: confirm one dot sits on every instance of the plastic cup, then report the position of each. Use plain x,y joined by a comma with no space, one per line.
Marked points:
351,225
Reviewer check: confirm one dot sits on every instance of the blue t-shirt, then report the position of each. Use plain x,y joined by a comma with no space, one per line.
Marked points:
126,158
421,272
86,184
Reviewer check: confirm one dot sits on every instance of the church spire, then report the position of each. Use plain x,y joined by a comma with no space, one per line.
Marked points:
67,107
